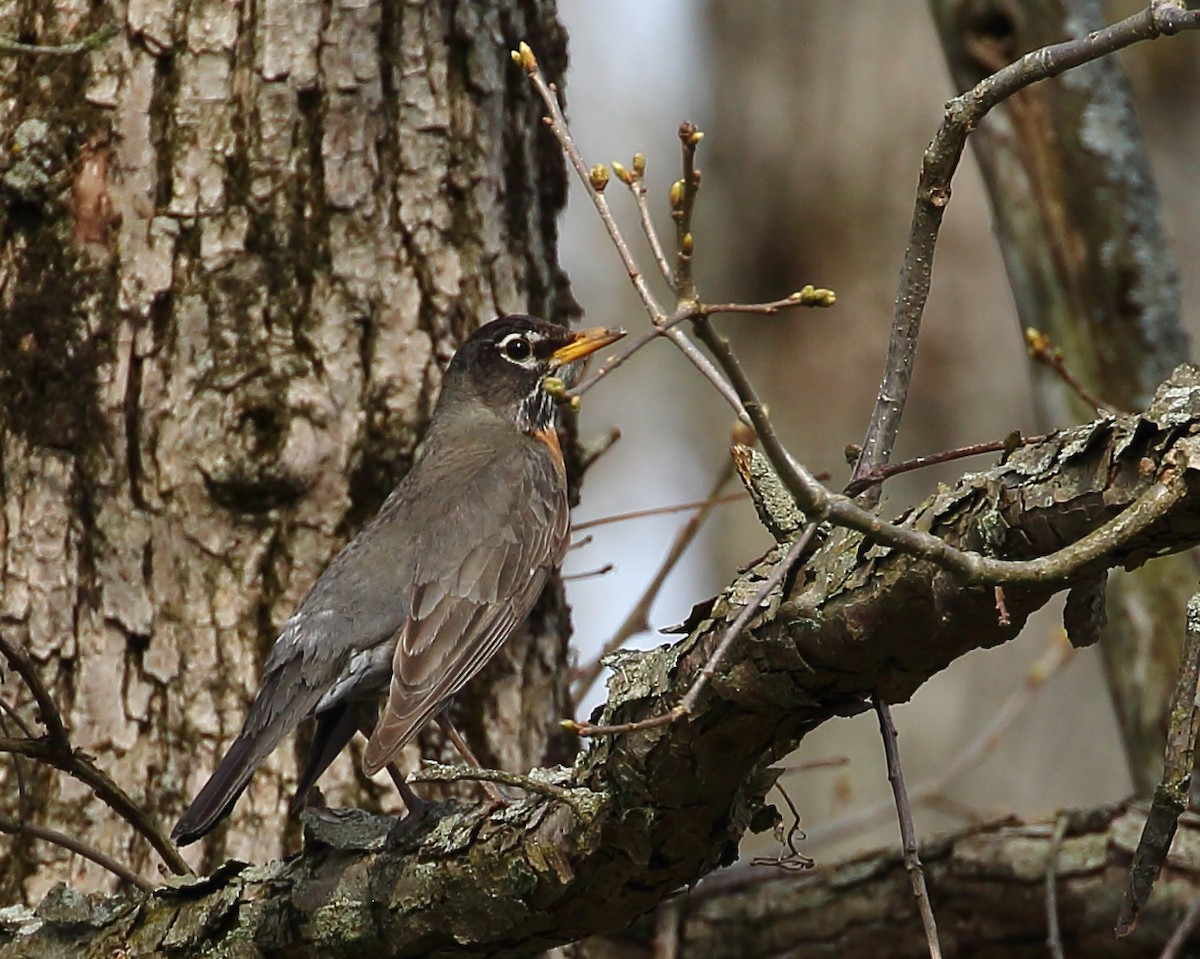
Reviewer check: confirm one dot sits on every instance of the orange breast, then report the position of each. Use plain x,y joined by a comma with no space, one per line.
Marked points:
549,436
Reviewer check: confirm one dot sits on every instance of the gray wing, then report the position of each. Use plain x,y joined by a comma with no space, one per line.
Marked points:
477,576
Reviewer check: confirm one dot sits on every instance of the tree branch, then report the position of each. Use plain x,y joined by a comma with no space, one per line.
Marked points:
659,808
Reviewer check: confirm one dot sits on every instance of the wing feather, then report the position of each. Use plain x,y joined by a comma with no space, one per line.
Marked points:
466,601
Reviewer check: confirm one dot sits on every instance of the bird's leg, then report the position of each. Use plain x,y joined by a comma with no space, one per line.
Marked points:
413,803
494,792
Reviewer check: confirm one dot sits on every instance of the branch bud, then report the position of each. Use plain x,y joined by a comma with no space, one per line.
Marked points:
622,174
639,165
676,194
598,177
742,435
524,58
814,296
1036,342
687,244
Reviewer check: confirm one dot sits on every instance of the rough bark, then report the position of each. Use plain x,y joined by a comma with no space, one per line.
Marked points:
1079,223
651,811
237,240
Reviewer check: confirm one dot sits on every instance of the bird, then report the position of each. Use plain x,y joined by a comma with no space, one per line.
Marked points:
423,597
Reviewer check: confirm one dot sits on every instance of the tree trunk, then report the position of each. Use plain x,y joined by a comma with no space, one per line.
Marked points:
239,242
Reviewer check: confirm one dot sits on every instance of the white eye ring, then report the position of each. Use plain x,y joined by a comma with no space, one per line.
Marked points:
517,348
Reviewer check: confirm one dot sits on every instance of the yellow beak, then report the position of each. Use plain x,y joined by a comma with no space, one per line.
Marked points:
585,343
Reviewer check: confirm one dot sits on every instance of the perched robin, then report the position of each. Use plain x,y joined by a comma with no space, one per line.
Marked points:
424,596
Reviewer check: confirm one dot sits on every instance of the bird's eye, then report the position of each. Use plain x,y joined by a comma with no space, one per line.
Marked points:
516,347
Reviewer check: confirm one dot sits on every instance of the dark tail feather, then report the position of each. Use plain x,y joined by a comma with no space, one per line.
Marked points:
335,728
280,705
214,802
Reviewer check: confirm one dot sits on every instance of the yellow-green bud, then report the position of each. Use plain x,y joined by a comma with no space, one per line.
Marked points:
598,177
524,58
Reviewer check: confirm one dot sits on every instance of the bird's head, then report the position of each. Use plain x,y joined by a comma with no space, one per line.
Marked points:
505,363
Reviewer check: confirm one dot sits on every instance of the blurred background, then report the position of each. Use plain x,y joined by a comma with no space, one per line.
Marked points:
816,116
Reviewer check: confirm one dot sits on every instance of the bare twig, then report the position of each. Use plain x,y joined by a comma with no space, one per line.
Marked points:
1182,932
557,124
1171,794
1040,348
748,612
687,310
638,620
1053,931
48,713
963,113
47,834
1058,653
1002,616
683,206
91,42
807,296
635,179
879,474
24,812
696,504
438,773
908,832
588,573
790,857
55,749
619,358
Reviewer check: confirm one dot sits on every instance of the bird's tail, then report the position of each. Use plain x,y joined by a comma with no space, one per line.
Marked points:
277,710
215,800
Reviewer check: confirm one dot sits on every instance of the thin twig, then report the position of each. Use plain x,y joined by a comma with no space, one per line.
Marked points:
963,114
56,750
748,612
24,812
792,859
635,179
687,310
908,832
1058,653
638,619
72,844
86,45
557,124
683,206
1182,932
439,773
48,714
1040,348
808,296
1171,794
1053,929
588,573
696,504
619,358
879,474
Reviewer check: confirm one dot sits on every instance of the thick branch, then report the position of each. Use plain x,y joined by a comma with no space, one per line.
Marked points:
659,808
988,885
